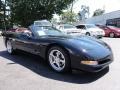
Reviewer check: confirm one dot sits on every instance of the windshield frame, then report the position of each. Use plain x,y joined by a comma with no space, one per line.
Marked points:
69,26
43,31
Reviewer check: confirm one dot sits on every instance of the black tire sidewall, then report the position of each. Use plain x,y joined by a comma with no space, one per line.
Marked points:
67,59
113,35
13,51
88,34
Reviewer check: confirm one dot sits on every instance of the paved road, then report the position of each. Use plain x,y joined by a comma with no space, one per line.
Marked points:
28,72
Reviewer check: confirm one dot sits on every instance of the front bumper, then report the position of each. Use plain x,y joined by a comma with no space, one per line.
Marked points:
117,34
102,64
98,35
94,68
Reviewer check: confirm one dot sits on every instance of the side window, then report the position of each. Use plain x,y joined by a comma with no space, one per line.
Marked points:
81,27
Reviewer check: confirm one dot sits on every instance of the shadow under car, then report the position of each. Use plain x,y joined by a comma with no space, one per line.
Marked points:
40,67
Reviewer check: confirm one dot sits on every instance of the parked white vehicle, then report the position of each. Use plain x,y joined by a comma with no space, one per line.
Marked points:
0,33
91,30
69,29
42,23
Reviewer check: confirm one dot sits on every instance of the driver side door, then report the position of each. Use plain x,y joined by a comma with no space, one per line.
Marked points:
24,40
82,28
30,43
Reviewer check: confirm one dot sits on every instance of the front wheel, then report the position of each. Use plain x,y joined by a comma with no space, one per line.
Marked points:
58,59
112,35
9,47
87,34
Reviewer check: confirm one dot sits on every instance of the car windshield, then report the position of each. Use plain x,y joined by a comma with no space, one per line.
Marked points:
91,26
49,31
42,23
69,26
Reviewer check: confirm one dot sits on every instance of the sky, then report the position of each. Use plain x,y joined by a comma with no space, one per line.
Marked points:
108,5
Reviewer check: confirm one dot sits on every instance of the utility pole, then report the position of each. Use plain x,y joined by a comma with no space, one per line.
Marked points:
72,7
71,11
5,16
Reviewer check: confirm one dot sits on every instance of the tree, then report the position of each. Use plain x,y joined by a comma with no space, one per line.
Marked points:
54,20
1,14
68,17
84,13
98,12
1,10
24,12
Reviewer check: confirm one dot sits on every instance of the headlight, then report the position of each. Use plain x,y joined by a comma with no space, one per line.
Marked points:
90,62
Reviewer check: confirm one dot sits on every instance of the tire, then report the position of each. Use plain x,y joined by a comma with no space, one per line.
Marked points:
9,47
87,34
112,35
58,59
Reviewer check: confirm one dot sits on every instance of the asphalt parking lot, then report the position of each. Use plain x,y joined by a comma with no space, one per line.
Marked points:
29,72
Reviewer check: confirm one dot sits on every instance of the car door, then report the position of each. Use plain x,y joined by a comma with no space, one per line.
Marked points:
20,39
35,45
107,31
29,43
82,28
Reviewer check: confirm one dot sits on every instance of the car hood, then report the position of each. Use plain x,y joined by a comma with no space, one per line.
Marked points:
95,29
117,30
91,47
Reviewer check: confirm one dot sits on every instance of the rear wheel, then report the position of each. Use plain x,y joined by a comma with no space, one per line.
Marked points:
88,34
112,35
9,47
58,59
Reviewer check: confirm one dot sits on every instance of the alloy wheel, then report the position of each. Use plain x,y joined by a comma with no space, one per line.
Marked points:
9,47
57,60
112,35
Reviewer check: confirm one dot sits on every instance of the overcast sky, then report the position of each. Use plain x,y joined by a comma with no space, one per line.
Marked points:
108,5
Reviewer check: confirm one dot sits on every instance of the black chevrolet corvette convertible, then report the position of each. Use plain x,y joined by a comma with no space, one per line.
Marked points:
63,52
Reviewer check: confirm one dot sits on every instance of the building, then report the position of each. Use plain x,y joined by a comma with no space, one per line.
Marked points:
112,18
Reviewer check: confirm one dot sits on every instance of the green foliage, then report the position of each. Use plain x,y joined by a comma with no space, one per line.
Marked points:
1,5
1,15
54,20
84,13
68,17
24,12
98,12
